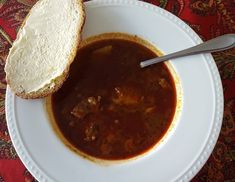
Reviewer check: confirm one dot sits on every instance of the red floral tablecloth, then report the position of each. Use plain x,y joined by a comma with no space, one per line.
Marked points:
209,18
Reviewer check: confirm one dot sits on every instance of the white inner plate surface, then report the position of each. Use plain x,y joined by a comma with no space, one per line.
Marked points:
192,139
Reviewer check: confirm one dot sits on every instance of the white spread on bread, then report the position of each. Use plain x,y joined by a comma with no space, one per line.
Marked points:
45,46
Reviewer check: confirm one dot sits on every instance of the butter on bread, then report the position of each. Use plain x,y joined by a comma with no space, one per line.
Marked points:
46,44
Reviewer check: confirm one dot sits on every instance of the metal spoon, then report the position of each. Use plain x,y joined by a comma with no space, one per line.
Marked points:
220,43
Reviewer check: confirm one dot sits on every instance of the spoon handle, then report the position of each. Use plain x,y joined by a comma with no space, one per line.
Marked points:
220,43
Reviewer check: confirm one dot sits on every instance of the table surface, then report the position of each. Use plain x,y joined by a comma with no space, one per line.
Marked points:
209,18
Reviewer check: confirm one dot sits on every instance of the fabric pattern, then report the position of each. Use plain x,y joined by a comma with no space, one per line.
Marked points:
209,18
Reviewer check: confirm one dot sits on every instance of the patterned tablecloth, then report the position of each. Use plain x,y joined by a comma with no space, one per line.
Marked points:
209,18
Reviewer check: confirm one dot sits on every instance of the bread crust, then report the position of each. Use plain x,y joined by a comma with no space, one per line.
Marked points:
56,83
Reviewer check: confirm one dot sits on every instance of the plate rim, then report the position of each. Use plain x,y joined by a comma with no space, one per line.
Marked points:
193,168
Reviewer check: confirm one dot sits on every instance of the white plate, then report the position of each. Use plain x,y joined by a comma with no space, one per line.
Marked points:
191,140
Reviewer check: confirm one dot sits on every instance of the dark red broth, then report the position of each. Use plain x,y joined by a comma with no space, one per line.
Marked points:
109,107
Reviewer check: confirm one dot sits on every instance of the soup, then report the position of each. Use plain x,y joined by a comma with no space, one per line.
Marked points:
110,108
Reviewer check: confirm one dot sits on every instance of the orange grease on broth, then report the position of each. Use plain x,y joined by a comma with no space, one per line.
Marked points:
109,108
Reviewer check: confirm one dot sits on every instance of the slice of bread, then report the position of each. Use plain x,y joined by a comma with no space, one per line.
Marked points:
46,44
